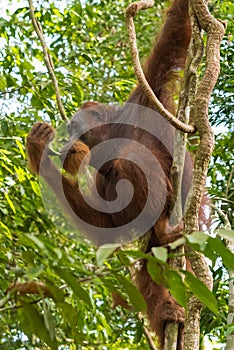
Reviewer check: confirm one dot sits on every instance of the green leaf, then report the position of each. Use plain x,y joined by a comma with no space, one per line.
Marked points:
56,292
11,81
102,321
155,271
19,144
5,230
79,94
160,254
200,290
36,102
49,320
37,242
123,258
177,243
72,282
230,329
197,240
35,187
104,251
226,234
33,323
56,12
135,296
3,83
197,237
9,201
33,272
217,245
87,58
70,313
175,284
137,254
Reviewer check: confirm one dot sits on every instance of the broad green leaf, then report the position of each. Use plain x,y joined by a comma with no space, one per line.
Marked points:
227,256
69,313
73,282
177,243
197,237
197,240
226,234
36,102
33,272
3,83
155,271
9,201
56,12
21,174
200,290
175,284
57,293
123,258
36,188
33,323
102,321
160,254
135,296
137,254
5,230
19,144
49,320
37,241
230,329
104,251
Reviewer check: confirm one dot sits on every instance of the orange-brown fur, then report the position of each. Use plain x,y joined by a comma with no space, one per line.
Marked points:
74,157
167,57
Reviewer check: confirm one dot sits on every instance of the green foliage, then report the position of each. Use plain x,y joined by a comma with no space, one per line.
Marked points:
89,45
221,107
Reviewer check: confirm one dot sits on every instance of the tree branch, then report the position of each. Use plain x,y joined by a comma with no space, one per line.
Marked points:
149,339
48,61
187,94
131,12
199,116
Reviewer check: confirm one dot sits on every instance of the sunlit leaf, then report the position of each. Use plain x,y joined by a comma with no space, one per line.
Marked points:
9,201
226,234
104,251
160,254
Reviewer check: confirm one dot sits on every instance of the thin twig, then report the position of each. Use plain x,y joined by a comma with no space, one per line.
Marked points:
229,181
223,216
48,61
15,307
131,12
149,338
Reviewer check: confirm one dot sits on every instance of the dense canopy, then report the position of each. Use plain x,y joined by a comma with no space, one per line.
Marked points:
84,292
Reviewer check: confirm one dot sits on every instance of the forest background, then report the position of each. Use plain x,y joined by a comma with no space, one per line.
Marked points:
89,45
